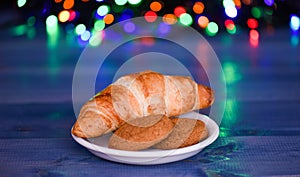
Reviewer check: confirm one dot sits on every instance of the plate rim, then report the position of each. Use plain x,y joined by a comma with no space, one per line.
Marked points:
156,153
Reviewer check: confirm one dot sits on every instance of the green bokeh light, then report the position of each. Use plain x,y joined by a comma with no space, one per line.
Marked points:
19,30
21,3
134,2
256,12
295,40
120,2
211,29
96,38
31,21
231,31
99,25
231,71
186,19
31,32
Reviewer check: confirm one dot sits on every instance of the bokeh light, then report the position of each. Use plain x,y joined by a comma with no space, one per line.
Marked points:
231,71
31,32
64,16
96,38
21,3
253,43
254,38
230,8
179,10
186,19
51,21
120,2
99,25
72,15
254,34
52,30
155,6
85,36
103,10
147,41
252,23
238,3
164,28
169,19
295,40
228,3
247,2
129,27
150,16
231,29
19,30
203,21
68,4
198,7
80,29
294,23
31,21
269,2
230,26
231,11
256,12
134,2
109,19
212,29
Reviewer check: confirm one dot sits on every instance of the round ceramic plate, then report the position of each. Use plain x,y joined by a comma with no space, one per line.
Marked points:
99,147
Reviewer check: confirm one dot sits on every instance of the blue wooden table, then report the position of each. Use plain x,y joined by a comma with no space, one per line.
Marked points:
260,130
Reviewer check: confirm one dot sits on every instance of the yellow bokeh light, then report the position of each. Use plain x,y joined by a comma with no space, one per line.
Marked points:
63,16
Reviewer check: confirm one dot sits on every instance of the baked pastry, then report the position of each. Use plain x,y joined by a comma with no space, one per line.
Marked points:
141,133
140,95
186,132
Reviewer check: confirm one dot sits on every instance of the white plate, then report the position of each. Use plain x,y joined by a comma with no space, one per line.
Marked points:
98,146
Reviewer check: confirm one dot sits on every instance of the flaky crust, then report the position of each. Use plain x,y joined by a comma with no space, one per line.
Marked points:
140,95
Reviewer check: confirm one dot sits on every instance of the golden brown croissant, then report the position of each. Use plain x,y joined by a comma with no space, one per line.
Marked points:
140,95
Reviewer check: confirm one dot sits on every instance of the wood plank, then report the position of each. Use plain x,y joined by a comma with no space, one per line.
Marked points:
38,120
234,156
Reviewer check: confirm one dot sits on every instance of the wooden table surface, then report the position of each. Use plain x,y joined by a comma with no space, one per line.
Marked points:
260,130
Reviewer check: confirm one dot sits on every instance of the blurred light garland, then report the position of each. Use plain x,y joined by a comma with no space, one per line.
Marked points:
198,13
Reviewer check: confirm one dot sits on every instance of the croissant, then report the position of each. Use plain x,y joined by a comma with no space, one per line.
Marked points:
139,95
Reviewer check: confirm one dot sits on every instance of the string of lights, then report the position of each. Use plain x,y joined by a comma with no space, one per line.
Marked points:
87,18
